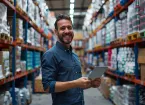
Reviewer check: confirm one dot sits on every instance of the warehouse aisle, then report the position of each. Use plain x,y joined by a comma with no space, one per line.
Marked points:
92,97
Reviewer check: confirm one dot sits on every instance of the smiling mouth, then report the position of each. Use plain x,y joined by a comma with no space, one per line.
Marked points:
67,36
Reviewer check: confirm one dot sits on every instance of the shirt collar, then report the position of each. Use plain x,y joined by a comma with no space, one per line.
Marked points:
62,47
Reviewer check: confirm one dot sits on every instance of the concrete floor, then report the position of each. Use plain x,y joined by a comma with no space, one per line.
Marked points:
92,97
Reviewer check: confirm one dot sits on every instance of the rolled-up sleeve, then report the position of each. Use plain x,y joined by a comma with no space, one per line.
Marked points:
48,67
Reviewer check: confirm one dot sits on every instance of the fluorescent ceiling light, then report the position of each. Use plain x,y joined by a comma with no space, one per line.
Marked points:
71,6
71,11
79,13
72,1
71,16
103,1
72,20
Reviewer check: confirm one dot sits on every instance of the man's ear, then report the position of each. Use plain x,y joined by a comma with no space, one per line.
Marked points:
56,32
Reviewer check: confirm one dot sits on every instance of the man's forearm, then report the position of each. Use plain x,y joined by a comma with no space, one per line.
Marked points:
82,82
63,86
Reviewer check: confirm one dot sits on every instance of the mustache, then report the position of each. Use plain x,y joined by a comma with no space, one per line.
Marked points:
67,34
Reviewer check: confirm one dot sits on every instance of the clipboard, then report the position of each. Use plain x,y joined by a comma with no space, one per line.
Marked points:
97,72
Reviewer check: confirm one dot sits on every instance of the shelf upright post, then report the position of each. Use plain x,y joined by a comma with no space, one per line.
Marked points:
103,56
136,61
97,57
25,41
13,55
118,82
33,74
136,72
33,82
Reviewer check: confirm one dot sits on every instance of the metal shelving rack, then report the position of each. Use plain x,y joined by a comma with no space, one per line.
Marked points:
134,43
13,44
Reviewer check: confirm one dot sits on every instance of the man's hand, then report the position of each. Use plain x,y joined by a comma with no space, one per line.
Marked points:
83,82
96,82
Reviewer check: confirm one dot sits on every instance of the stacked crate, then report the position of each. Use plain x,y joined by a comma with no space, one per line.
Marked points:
110,32
142,15
133,17
28,57
37,59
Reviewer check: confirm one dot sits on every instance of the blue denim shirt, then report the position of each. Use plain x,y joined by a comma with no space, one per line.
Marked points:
61,64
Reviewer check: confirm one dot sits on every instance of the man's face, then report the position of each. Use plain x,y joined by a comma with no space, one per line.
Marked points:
65,31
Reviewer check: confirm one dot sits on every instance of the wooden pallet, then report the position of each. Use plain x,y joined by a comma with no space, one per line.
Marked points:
9,76
4,36
29,44
117,41
11,1
18,72
19,41
97,46
10,39
133,36
131,76
18,8
24,13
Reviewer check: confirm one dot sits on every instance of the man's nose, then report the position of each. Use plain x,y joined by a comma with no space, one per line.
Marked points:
66,30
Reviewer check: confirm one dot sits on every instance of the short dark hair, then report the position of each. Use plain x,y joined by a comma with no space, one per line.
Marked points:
60,17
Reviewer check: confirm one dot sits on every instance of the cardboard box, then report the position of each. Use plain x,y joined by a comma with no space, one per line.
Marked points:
4,61
104,88
142,72
38,85
105,85
141,56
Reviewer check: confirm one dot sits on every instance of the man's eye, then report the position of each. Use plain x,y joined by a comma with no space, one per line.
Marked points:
69,28
63,28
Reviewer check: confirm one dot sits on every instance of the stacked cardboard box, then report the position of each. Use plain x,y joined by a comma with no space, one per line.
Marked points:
80,52
4,62
28,57
37,59
142,14
123,95
105,86
141,61
19,29
38,84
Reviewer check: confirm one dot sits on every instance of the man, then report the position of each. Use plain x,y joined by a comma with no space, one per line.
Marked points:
61,68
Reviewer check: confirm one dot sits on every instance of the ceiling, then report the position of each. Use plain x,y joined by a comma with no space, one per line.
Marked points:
63,7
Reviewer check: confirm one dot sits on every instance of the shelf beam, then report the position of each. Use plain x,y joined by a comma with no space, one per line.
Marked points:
136,81
25,46
119,8
127,43
25,17
17,76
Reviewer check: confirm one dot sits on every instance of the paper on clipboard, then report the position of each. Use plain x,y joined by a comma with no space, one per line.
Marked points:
97,72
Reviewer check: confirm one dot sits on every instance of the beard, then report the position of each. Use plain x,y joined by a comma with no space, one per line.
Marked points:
66,39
